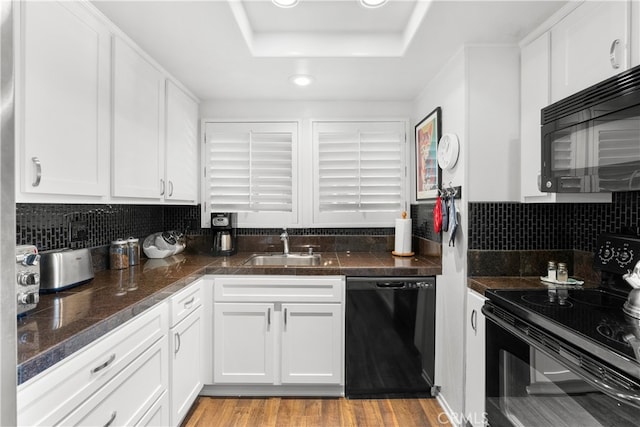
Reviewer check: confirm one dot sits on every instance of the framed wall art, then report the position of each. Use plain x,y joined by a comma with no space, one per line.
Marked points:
427,170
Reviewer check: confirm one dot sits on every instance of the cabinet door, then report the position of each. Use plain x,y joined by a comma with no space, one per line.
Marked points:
181,146
534,77
243,343
138,125
475,360
588,46
312,337
186,365
65,71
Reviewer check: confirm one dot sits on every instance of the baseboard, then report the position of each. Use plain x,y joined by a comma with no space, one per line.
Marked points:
272,390
452,416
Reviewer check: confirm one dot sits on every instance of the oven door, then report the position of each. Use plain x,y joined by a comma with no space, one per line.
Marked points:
529,384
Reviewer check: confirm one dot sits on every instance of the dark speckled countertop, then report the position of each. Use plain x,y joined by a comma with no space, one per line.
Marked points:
66,321
481,284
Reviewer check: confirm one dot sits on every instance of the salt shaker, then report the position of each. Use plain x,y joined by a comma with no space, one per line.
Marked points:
551,271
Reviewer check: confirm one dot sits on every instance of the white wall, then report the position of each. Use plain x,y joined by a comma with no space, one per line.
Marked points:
478,91
494,123
448,91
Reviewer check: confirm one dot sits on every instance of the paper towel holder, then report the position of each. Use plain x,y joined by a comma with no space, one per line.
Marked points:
406,254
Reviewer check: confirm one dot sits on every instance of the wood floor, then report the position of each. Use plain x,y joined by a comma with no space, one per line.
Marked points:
326,412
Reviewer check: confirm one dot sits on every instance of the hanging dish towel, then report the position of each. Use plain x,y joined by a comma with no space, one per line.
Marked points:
437,215
445,213
453,222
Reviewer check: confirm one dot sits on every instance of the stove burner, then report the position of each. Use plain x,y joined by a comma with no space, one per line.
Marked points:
597,299
551,299
614,331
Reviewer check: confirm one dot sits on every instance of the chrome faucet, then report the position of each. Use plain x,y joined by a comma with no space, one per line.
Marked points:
285,238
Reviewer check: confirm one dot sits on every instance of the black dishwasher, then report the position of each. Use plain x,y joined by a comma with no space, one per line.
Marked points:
390,337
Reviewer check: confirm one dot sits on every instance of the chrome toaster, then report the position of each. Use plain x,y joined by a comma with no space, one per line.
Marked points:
65,268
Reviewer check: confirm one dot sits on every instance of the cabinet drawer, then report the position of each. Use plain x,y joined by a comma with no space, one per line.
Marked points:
158,414
186,302
279,288
126,399
51,395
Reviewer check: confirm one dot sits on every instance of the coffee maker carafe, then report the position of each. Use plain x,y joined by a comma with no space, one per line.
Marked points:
224,233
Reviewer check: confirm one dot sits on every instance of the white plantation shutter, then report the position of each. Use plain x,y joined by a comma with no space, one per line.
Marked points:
359,171
250,169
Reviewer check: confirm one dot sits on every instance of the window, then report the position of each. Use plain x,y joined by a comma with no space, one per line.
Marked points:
360,173
354,173
250,168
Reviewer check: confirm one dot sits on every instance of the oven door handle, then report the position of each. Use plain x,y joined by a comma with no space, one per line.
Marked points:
608,388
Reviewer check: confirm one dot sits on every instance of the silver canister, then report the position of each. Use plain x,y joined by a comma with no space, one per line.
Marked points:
119,254
134,251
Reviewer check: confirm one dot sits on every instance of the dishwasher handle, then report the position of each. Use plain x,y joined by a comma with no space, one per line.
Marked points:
390,284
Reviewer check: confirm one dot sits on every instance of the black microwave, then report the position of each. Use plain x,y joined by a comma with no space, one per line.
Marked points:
591,140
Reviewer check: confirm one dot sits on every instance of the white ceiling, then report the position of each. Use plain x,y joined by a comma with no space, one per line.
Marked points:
248,49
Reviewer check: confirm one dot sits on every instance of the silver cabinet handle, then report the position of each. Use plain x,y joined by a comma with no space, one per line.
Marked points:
188,304
104,365
269,316
285,317
170,188
112,419
178,342
612,54
474,321
38,165
162,186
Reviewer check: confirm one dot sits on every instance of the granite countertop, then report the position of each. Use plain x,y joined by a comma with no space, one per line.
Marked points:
481,284
66,321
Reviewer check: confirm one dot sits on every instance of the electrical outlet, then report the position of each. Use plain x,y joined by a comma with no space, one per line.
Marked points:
78,231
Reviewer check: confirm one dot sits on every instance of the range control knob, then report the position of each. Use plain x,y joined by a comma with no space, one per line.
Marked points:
27,279
606,252
625,256
28,298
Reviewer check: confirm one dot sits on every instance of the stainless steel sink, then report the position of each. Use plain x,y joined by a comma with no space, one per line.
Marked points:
284,260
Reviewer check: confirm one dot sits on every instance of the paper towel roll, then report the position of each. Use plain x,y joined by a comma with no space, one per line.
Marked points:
403,236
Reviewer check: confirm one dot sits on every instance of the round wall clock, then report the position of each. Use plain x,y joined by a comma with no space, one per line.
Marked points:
448,150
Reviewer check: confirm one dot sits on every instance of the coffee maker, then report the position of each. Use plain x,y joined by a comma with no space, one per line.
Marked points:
224,233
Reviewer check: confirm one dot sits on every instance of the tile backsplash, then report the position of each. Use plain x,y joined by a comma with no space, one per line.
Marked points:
535,226
48,226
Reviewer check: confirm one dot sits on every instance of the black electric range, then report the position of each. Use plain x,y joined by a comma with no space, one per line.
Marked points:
567,353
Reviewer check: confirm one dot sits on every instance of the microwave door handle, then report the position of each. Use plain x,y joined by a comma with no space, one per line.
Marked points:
608,388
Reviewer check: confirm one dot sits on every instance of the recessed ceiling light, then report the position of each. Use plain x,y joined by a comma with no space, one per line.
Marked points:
372,3
301,80
287,3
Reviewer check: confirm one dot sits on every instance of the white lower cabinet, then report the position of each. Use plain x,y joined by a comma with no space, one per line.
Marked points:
243,342
475,360
186,342
126,399
116,380
278,331
311,341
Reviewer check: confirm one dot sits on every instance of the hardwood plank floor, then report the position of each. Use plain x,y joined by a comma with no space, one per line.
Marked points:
325,412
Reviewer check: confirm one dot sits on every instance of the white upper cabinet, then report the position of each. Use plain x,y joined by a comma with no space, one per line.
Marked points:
92,109
63,102
534,93
544,62
589,45
138,125
181,173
